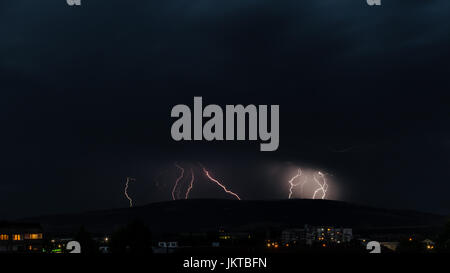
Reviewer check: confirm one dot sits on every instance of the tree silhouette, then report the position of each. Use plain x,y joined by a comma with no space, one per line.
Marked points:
443,242
88,245
134,238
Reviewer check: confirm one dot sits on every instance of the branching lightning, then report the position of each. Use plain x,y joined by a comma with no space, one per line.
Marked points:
292,184
319,179
219,184
323,187
178,180
129,179
191,185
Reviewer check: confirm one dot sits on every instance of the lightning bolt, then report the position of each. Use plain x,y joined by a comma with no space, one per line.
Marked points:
219,184
178,180
291,182
191,185
129,179
322,186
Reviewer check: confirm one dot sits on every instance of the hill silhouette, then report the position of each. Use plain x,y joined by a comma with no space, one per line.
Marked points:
197,215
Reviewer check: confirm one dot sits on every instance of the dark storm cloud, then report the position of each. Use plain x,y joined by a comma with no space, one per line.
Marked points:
87,92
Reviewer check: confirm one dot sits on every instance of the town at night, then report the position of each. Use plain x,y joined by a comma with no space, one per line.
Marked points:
238,135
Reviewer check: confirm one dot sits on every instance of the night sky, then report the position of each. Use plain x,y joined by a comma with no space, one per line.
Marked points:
86,94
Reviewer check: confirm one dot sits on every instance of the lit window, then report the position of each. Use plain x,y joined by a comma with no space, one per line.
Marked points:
162,244
33,236
4,237
17,237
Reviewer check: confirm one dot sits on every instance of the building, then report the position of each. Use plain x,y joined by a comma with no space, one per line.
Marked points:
20,237
328,234
165,247
316,234
57,245
429,244
293,236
